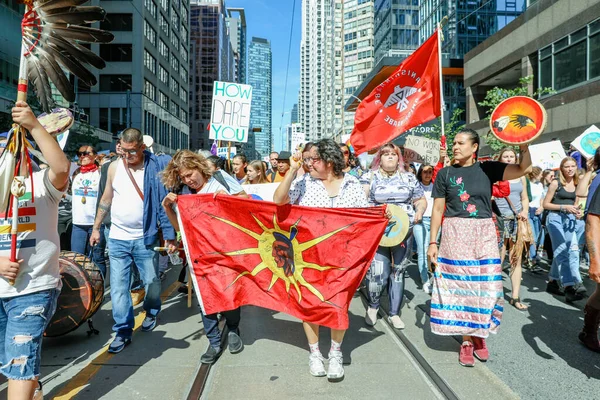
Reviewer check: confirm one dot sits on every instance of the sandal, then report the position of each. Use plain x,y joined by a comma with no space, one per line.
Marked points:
516,303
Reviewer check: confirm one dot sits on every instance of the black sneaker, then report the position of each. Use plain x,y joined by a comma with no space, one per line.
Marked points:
572,295
554,288
234,342
579,288
211,355
118,344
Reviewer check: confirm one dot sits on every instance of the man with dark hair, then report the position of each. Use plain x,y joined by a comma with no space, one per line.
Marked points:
239,165
273,161
133,194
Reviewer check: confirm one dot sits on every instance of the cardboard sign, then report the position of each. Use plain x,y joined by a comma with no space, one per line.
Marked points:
222,152
547,155
262,191
230,115
421,150
588,141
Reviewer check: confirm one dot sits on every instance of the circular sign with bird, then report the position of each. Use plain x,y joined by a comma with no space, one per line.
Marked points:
397,227
518,120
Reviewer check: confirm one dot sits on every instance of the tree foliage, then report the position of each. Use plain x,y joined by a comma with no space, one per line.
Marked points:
497,95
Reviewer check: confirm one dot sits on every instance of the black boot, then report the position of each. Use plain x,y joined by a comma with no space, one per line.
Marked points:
589,333
572,295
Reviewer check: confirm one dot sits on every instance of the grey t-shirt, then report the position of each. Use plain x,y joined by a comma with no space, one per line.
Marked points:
37,241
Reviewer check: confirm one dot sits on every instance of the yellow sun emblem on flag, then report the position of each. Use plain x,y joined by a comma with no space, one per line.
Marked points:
281,253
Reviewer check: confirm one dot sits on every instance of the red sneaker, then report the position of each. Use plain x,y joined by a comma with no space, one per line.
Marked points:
481,350
465,357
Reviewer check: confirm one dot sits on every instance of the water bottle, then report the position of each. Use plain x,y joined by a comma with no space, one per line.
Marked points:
175,259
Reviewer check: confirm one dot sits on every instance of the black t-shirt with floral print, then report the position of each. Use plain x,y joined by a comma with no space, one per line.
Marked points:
468,190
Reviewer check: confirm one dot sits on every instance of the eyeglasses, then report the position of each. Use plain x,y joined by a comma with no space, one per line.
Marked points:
311,160
130,152
84,153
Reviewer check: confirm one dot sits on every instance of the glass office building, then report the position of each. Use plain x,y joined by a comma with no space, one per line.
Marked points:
260,78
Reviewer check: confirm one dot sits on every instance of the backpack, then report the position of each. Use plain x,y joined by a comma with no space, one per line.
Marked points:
219,178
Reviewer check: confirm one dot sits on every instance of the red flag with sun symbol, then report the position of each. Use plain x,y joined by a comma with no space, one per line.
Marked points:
303,261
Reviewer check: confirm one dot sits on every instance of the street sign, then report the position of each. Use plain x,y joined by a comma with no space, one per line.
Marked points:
230,115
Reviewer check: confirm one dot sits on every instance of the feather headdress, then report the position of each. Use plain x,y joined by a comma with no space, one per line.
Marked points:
53,31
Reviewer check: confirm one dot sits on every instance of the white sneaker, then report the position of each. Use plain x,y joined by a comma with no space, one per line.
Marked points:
427,288
396,322
336,368
315,362
371,316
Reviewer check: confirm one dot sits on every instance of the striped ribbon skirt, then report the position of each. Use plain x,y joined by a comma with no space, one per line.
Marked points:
468,294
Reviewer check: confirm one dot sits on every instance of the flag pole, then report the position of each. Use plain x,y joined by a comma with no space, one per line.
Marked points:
441,24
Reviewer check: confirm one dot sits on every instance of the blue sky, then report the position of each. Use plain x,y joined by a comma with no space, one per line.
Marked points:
271,19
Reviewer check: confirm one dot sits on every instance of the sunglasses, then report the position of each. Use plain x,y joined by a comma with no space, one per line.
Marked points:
131,152
85,153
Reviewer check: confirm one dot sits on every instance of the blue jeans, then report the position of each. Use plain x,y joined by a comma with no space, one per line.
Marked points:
421,233
536,229
211,325
80,243
123,253
565,232
382,273
23,320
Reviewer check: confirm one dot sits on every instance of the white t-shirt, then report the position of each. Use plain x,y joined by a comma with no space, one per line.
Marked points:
85,186
127,209
37,241
537,194
427,189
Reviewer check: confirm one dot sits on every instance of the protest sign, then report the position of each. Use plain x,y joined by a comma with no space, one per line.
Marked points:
262,191
421,150
588,141
547,155
297,139
230,115
222,152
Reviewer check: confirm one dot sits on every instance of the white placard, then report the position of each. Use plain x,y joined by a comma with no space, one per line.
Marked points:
230,115
547,155
222,152
261,191
588,141
421,150
297,140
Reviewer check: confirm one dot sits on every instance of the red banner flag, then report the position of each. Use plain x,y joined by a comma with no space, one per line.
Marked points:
409,97
303,261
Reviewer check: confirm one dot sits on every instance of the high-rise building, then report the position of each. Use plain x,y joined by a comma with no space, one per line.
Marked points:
237,33
396,28
11,13
336,54
145,82
212,59
294,114
260,78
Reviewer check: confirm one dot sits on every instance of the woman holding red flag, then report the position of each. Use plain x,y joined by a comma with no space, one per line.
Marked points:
468,294
326,185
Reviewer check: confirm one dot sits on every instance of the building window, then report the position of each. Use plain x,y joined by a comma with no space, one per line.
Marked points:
184,34
173,108
163,75
163,100
164,4
149,62
116,52
184,53
571,60
175,63
184,14
117,22
174,86
151,7
163,49
149,90
175,40
113,119
115,83
174,17
184,116
183,95
184,75
164,24
149,33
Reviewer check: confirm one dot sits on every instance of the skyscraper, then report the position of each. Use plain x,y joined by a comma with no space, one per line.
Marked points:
260,78
213,59
237,33
336,54
396,28
294,114
145,82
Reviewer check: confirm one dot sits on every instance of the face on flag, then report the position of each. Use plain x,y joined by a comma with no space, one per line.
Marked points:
409,97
